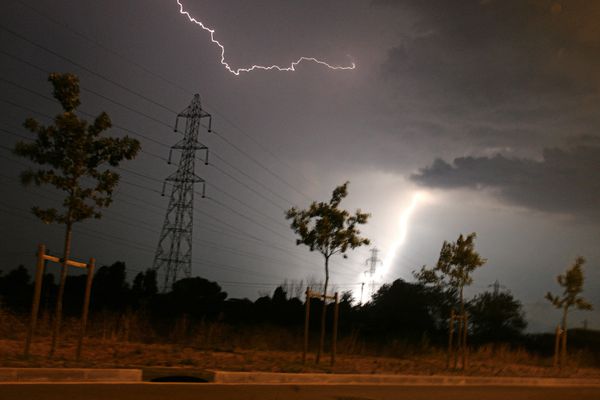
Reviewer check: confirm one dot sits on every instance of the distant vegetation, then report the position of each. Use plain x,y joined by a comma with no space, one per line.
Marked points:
402,317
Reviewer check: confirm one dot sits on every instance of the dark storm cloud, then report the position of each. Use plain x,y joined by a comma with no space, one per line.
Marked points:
499,67
563,181
493,51
517,78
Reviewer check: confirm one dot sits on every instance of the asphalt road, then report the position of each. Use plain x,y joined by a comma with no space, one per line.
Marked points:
185,391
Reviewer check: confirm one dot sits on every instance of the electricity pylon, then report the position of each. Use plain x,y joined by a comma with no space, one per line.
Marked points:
174,251
372,263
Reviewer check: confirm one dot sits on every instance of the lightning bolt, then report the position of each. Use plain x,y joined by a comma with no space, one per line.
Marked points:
417,198
238,71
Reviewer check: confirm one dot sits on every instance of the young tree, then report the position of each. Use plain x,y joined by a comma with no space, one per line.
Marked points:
453,271
572,282
74,159
457,262
326,228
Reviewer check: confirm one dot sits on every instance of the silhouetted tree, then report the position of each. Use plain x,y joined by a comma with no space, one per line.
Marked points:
279,295
240,311
111,290
453,271
75,160
403,308
74,292
196,297
572,283
144,287
15,289
496,317
326,228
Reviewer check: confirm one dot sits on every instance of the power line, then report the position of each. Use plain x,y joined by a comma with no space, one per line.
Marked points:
83,88
153,119
262,214
260,164
86,231
145,248
216,167
84,68
264,167
154,191
82,112
225,206
105,48
137,224
220,135
245,184
120,56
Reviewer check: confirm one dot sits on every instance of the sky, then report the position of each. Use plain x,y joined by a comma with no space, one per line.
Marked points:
473,116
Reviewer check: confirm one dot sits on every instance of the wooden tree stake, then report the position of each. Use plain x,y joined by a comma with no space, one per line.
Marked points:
86,305
336,314
37,292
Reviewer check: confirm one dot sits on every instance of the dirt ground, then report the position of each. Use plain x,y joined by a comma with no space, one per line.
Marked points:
111,354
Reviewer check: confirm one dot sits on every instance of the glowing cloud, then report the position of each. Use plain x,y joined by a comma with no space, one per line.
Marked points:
290,68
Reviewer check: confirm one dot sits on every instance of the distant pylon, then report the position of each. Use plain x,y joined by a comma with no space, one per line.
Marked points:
372,263
174,251
497,287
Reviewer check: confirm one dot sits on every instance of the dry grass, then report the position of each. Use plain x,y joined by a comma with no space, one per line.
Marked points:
110,353
129,342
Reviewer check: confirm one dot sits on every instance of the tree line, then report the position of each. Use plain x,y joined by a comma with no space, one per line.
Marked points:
410,310
411,313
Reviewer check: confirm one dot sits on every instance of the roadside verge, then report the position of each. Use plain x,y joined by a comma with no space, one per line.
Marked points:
376,379
69,375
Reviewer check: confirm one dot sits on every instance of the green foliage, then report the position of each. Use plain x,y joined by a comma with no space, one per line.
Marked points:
75,157
496,316
456,264
572,283
327,228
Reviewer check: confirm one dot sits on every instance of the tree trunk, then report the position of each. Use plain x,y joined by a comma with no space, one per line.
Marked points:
61,289
324,313
450,339
563,352
462,326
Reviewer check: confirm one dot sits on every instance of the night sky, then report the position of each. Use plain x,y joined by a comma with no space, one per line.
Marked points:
461,116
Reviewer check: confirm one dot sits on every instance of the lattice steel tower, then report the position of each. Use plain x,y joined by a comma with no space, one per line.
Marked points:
174,250
372,263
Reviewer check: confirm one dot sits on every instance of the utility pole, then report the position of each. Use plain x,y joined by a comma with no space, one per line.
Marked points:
174,249
372,263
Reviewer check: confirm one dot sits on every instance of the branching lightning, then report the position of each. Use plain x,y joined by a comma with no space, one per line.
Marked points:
238,71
